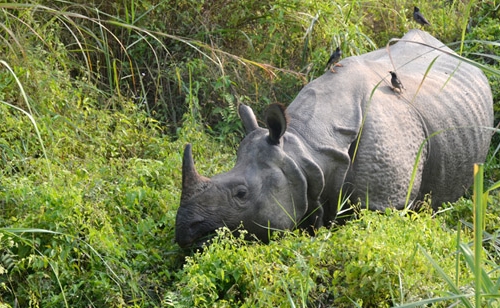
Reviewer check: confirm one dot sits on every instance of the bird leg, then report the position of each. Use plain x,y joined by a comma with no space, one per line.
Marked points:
399,90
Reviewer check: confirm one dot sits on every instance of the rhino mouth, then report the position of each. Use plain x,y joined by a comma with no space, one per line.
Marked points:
196,234
199,243
200,233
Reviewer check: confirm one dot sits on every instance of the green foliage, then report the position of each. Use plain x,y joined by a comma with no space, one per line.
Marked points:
373,260
98,99
486,283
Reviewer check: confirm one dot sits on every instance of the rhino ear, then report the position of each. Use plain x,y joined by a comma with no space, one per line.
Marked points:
276,120
248,118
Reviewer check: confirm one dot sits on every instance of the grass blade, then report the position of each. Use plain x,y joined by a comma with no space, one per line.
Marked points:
479,217
449,281
29,114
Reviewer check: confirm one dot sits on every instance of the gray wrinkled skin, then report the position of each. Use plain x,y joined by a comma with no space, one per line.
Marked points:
292,173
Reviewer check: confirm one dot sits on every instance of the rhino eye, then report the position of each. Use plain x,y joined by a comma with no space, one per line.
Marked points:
241,193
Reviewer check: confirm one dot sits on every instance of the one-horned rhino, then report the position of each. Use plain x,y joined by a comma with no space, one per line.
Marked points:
349,135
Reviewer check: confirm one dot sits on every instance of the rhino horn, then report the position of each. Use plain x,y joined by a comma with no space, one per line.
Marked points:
192,182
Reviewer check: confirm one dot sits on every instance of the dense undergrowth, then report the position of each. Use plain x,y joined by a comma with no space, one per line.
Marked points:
96,104
365,262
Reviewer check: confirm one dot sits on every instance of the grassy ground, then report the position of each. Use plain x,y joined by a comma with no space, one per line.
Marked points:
97,102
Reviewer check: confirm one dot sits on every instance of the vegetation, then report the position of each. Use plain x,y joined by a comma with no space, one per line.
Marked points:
97,100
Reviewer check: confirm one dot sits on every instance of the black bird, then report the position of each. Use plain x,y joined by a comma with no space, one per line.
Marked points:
419,18
334,59
396,83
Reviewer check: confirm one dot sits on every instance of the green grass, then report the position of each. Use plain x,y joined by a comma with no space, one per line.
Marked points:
97,103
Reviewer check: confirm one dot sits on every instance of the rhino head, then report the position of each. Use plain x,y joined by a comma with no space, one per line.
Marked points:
265,191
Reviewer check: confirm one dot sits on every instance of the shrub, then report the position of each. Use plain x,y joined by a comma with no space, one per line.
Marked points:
361,263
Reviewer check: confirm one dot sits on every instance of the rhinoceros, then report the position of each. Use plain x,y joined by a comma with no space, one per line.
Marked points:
349,135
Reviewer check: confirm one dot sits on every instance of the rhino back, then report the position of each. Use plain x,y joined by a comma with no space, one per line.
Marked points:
444,97
454,100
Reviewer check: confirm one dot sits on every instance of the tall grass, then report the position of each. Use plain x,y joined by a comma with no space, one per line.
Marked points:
113,61
28,113
486,285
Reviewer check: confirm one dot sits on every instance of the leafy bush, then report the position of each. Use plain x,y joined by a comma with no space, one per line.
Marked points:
361,262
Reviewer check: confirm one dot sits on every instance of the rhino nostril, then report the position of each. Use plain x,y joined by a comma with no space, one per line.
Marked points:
195,225
193,233
189,227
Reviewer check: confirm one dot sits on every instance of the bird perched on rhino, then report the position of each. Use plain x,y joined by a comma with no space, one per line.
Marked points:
396,83
334,59
419,18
